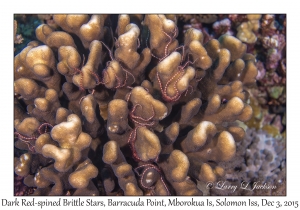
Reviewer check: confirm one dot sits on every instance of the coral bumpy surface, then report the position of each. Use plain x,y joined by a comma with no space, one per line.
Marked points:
113,105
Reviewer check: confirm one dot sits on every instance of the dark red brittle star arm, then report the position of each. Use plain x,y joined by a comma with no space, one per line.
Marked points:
27,141
145,122
45,125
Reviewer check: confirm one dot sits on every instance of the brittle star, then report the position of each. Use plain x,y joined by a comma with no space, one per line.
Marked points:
81,74
171,38
131,141
27,141
125,70
163,90
147,122
45,125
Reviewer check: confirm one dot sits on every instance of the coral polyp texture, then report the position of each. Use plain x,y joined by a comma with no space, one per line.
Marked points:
120,105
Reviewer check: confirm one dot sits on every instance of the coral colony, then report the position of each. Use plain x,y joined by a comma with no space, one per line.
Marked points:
130,105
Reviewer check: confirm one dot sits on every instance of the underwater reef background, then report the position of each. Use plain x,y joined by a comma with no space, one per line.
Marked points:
150,104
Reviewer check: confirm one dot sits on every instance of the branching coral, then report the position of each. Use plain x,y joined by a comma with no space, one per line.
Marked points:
122,102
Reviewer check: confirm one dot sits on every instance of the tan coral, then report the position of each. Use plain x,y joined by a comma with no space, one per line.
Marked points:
229,112
190,110
53,39
176,169
62,157
164,116
81,177
22,167
61,115
71,142
233,71
41,61
87,77
233,64
246,31
88,29
146,106
88,108
193,34
132,63
231,90
179,166
161,29
208,174
45,108
47,176
43,140
26,133
236,48
28,89
127,46
113,156
69,134
28,126
169,135
221,148
117,116
147,144
123,21
20,67
197,137
90,190
199,54
171,78
249,73
115,76
74,95
237,132
69,61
